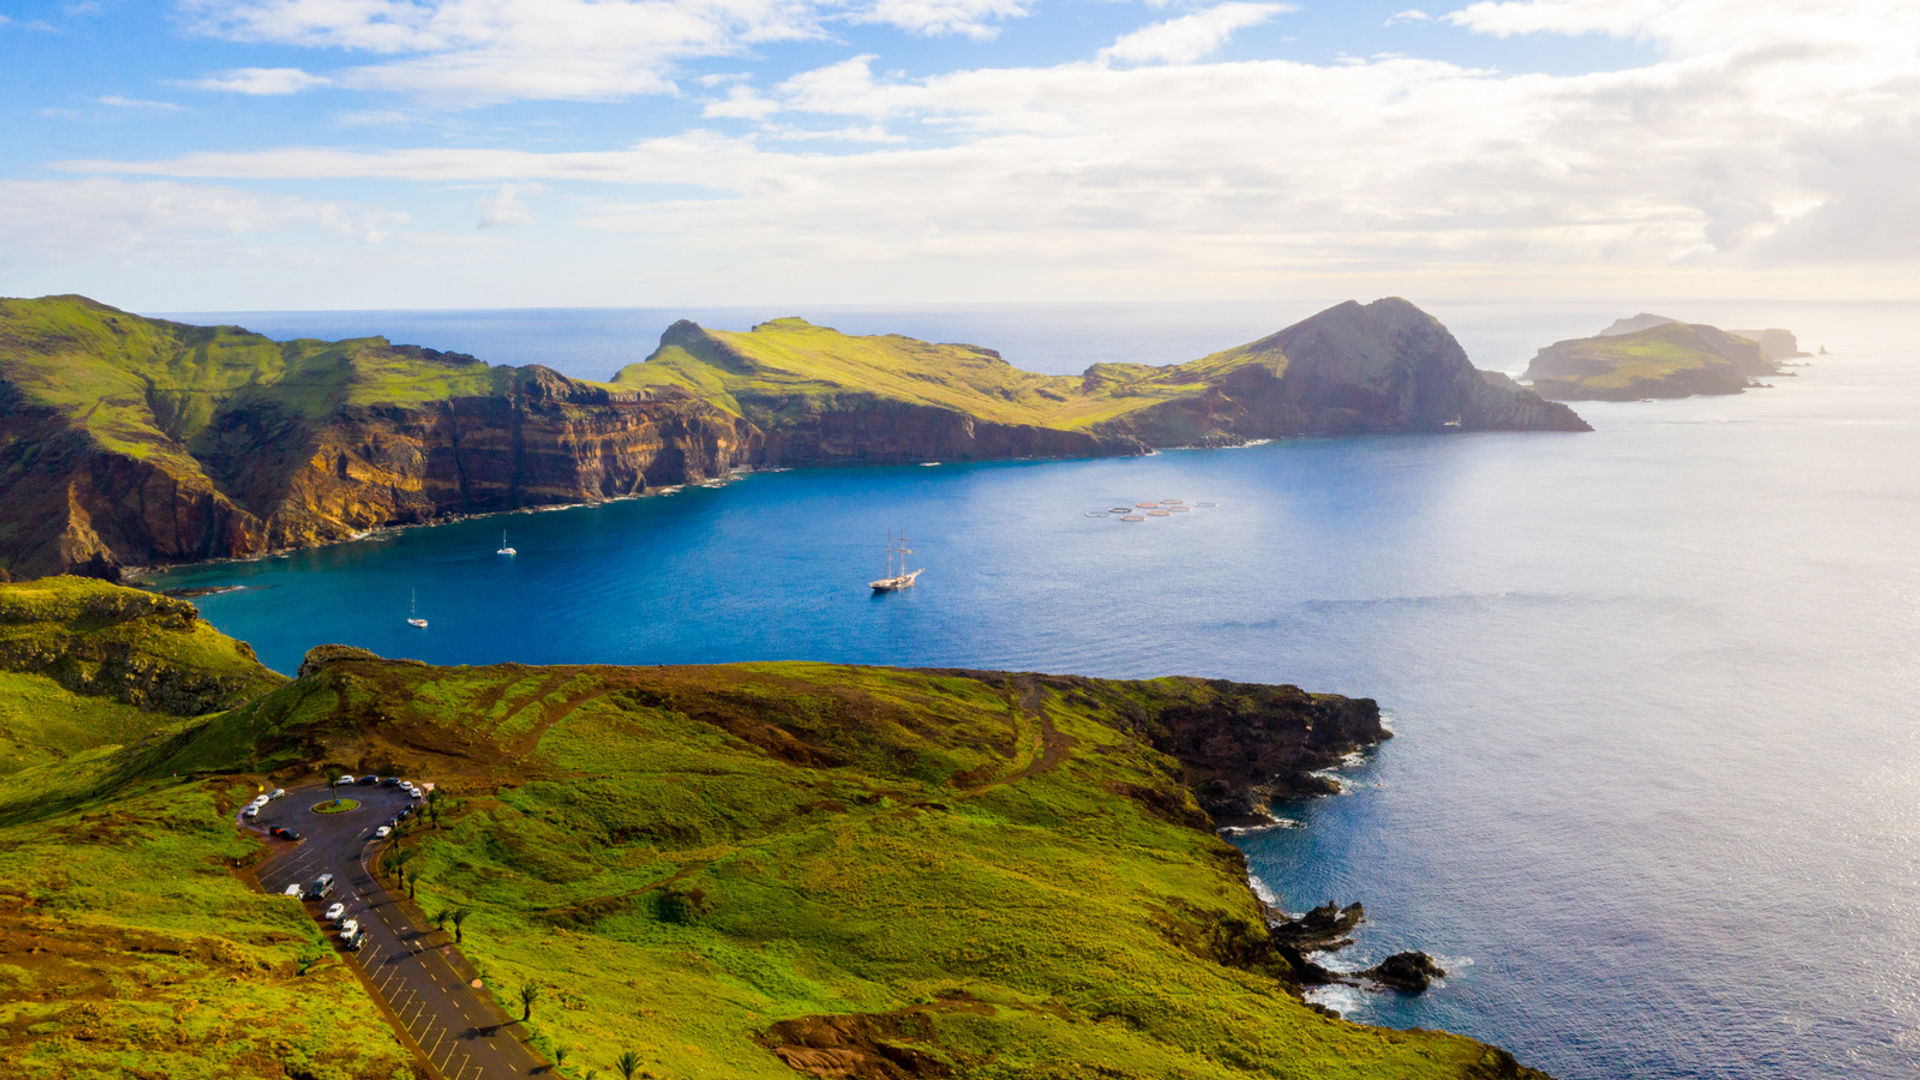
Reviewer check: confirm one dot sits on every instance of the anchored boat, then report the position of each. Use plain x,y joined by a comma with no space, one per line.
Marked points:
504,549
413,610
894,582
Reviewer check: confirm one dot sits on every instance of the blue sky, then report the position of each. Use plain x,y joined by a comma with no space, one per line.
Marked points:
372,153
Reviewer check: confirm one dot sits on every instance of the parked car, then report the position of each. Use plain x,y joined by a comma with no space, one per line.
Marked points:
347,779
357,941
281,832
383,832
333,913
259,800
389,781
277,793
349,928
319,890
291,890
250,813
368,779
405,813
325,879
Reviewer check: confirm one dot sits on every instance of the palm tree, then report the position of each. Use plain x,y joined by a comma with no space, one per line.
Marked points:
559,1055
459,924
440,919
412,880
333,782
529,993
628,1063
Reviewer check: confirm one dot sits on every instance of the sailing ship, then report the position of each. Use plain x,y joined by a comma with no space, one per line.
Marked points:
894,582
413,610
504,549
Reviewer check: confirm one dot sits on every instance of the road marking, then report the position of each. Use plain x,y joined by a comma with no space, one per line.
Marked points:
436,1043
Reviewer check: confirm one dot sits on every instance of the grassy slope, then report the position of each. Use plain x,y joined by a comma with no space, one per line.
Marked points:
86,665
791,358
996,878
1655,354
146,387
128,947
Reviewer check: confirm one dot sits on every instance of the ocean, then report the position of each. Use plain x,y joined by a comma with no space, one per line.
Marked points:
1654,795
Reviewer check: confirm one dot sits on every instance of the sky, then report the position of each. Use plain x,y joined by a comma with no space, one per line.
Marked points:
288,154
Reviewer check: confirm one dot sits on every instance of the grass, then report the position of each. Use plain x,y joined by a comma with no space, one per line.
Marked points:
336,806
783,370
130,942
1646,357
719,869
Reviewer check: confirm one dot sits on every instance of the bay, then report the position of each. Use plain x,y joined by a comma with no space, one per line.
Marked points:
1654,798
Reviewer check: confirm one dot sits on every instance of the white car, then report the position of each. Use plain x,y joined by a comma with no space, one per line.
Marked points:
277,793
291,890
349,928
258,800
250,813
344,781
383,832
338,909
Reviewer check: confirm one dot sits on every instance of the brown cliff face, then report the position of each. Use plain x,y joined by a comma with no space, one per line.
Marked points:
860,429
268,480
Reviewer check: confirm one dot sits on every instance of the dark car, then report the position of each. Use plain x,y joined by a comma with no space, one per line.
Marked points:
319,890
405,812
370,778
284,833
389,781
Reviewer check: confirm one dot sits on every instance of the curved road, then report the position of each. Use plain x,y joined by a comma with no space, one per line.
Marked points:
424,986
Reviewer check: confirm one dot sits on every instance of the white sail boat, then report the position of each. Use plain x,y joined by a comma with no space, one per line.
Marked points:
894,582
504,549
413,610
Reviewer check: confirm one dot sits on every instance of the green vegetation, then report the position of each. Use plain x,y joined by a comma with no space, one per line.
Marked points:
336,805
85,665
785,369
1666,359
130,943
736,872
152,388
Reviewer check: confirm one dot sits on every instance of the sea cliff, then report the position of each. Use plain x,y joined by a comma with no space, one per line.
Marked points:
127,441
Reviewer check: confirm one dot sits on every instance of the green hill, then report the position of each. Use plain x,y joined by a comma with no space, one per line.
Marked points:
1648,356
130,441
129,945
737,871
821,396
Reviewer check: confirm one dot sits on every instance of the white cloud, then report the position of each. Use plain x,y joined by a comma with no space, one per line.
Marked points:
1190,37
118,102
262,82
503,209
1409,15
44,222
473,52
976,19
742,103
1781,143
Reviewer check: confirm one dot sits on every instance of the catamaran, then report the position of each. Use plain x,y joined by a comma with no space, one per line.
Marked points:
894,582
504,549
413,610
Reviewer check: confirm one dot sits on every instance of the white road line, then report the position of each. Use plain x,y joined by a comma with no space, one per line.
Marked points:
436,1043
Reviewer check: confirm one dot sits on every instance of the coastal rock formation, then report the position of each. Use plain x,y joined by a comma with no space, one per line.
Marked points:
1648,356
1775,344
127,441
132,441
823,397
1407,972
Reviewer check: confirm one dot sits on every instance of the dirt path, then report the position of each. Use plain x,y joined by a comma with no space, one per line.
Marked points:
1054,745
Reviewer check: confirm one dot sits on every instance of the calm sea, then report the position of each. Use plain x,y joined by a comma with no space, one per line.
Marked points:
1655,795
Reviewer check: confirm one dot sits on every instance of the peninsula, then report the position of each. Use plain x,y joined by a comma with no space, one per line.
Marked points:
128,441
758,870
1652,356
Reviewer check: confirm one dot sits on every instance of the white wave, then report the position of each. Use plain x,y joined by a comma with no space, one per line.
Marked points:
1345,1000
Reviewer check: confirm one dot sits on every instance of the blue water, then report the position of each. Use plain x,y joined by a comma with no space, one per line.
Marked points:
1655,795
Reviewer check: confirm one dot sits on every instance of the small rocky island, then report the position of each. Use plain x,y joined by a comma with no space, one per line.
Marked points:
1653,356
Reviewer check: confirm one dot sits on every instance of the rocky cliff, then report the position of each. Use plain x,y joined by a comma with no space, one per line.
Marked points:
128,441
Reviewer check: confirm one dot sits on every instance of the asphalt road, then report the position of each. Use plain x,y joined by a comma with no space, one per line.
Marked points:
417,974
